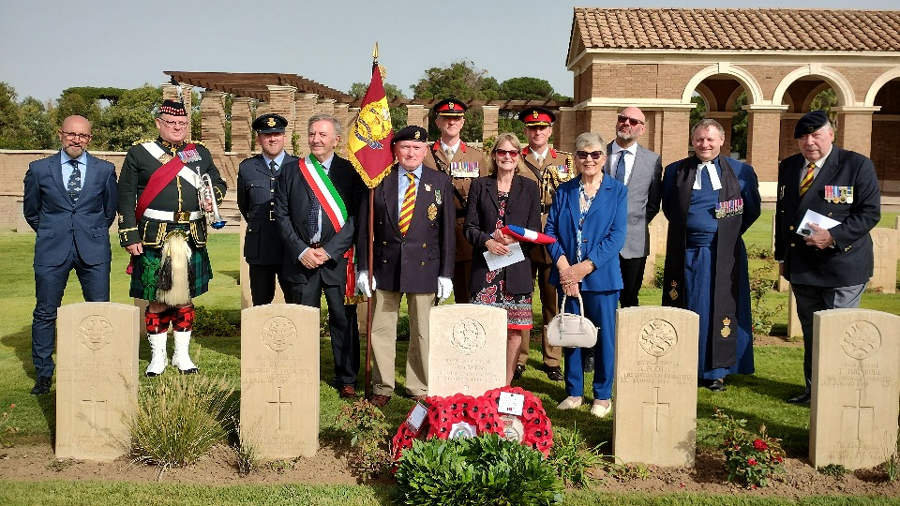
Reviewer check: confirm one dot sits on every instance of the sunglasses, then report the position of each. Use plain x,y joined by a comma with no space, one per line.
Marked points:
511,153
630,121
582,155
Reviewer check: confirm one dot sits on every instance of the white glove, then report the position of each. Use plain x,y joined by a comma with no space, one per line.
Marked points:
362,283
445,288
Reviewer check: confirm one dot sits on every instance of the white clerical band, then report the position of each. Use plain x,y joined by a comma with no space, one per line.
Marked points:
713,176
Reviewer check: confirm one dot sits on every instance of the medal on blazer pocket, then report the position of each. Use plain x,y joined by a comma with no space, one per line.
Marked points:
432,212
437,197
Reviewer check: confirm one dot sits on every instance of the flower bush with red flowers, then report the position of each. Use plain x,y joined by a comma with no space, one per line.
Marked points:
464,416
752,457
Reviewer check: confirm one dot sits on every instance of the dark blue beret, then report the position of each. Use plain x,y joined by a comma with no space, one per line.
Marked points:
809,123
411,133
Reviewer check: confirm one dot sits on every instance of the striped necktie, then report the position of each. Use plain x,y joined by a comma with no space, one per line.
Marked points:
807,178
409,203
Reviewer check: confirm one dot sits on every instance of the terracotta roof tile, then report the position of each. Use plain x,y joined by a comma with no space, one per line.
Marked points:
748,29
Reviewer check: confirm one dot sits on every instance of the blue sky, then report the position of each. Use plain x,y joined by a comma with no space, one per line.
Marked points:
50,45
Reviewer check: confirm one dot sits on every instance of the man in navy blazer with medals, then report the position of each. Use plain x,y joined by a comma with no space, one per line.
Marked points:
70,201
463,163
315,210
827,268
413,254
163,225
256,183
710,201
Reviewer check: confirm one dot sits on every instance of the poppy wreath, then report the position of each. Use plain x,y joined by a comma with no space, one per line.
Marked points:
532,428
465,416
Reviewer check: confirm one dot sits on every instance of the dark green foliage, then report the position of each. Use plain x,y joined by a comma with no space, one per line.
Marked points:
212,322
486,470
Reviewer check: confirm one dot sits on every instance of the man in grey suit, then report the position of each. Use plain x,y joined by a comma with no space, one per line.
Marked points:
70,201
640,170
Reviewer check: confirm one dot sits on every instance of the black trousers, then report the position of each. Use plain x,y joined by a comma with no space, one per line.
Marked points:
262,284
632,278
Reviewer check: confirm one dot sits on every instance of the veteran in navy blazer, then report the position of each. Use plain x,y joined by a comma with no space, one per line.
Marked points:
418,262
256,182
70,200
640,170
826,268
588,219
315,251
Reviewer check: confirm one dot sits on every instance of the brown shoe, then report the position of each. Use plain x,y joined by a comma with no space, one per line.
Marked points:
347,392
379,401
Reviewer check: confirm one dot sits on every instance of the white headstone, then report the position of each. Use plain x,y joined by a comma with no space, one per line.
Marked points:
467,349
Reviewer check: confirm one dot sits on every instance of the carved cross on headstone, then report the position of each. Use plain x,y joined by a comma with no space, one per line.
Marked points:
89,412
858,420
282,412
659,410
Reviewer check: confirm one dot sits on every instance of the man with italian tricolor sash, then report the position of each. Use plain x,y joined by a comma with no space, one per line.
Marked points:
316,200
166,187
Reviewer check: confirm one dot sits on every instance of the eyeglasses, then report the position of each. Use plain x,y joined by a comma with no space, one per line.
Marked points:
182,124
73,135
582,155
631,121
512,153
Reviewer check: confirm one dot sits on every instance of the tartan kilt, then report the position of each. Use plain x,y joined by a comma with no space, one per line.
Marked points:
145,275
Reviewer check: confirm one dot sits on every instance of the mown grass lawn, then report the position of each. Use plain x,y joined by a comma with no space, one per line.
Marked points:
758,398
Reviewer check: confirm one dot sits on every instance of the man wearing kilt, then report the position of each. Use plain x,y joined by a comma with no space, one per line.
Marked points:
162,224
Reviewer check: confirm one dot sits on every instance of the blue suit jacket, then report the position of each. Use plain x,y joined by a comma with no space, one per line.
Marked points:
62,226
603,233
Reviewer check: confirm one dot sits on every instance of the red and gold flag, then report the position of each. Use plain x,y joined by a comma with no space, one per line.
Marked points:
369,141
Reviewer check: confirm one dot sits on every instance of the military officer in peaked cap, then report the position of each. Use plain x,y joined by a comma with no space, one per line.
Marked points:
549,168
463,163
256,184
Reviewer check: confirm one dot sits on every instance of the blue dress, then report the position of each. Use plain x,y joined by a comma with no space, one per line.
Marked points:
700,264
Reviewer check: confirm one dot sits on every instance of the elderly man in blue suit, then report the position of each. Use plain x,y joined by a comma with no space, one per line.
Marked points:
70,201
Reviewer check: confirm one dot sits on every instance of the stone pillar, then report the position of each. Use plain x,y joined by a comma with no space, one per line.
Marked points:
564,130
763,142
281,102
170,92
491,125
416,115
325,106
306,108
342,113
671,133
241,126
854,128
212,117
725,119
596,119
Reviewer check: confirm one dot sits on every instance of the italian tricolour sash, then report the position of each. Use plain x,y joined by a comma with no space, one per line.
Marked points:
334,208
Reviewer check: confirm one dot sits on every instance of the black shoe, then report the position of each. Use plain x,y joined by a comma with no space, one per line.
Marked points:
520,370
803,398
588,361
554,373
717,385
41,386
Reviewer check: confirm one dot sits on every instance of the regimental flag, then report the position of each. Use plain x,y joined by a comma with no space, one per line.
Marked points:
369,141
524,234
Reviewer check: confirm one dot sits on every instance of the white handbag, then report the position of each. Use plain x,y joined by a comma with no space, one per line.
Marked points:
571,330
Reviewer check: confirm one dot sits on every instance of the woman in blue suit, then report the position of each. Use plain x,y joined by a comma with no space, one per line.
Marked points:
588,219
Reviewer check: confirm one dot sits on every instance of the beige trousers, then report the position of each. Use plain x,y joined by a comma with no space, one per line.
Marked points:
384,341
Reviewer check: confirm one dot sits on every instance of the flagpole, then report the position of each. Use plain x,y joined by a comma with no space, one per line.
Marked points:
370,309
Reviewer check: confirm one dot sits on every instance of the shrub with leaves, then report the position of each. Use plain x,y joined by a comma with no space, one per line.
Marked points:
760,286
368,434
572,458
751,457
179,418
477,471
212,322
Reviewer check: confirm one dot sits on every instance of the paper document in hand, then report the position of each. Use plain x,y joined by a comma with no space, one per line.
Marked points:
813,217
515,255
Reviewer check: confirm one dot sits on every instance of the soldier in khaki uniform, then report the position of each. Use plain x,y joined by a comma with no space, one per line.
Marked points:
463,163
549,168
